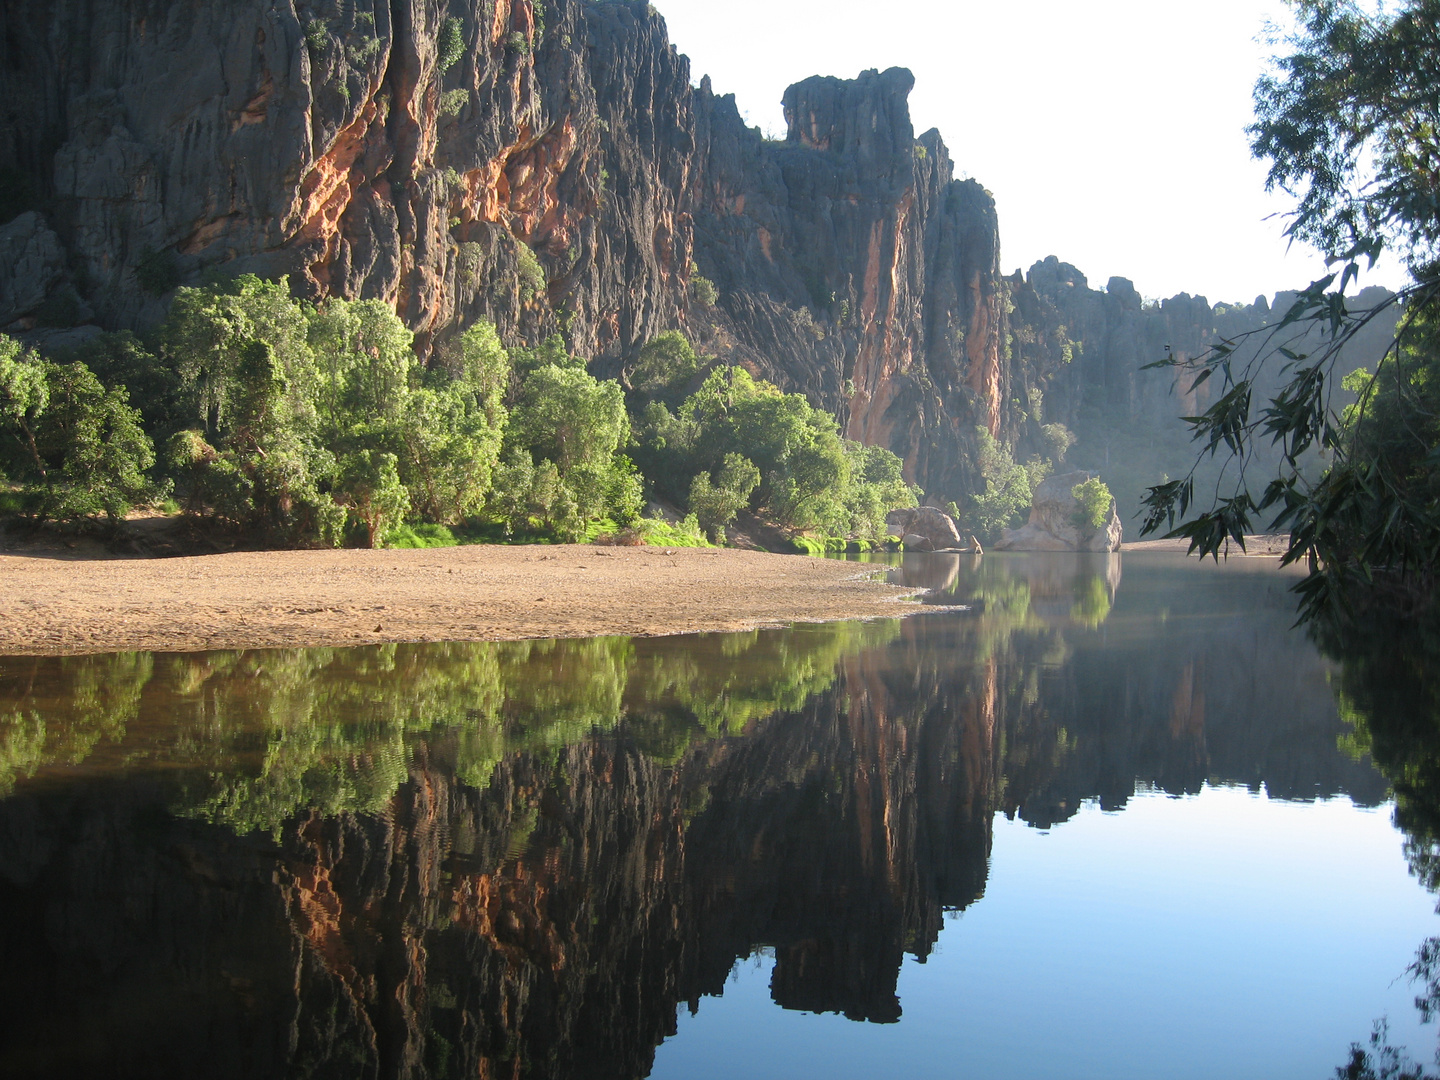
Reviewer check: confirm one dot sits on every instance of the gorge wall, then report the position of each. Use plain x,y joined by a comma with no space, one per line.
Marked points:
549,167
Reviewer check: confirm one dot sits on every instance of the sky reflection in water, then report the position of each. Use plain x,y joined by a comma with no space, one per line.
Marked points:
1224,934
438,860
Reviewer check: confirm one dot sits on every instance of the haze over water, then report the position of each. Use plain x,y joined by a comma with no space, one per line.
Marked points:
1104,819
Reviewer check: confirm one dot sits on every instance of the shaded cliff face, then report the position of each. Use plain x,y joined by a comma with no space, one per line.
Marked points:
1078,355
547,167
1086,347
400,152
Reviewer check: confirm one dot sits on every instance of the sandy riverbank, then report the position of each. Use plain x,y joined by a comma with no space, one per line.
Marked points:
304,598
1261,544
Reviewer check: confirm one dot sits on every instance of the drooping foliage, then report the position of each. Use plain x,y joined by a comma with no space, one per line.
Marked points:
1350,123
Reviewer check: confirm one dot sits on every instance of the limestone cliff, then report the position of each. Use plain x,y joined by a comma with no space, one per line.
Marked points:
545,166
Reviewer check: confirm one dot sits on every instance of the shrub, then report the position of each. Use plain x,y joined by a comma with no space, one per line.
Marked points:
530,273
61,309
157,271
1093,505
17,195
703,289
317,37
420,536
686,533
452,101
716,504
665,365
451,45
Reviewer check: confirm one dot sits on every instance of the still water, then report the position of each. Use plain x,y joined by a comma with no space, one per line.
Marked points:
1091,816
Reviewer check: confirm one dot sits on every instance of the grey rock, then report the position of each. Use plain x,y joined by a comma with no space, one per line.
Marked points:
932,523
32,262
916,542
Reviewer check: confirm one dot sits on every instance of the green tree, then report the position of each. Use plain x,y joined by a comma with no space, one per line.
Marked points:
448,448
122,361
263,474
1007,490
570,417
510,498
207,334
475,363
364,355
78,448
877,486
552,351
716,503
796,447
369,486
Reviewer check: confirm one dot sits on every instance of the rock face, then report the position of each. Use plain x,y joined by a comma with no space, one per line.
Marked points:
549,168
32,262
930,527
1083,346
1052,525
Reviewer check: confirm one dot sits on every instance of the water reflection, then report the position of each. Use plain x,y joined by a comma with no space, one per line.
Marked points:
495,859
1390,698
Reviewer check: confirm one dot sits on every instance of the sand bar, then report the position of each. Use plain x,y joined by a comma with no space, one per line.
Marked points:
1261,545
287,599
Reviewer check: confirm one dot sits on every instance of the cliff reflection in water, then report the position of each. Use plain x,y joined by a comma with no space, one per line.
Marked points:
495,859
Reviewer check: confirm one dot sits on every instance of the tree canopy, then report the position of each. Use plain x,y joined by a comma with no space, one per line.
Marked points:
320,424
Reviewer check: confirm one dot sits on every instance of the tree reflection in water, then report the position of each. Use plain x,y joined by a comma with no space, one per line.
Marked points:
1390,696
519,857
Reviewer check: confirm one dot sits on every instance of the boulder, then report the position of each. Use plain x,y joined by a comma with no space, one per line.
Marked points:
933,524
1052,525
915,542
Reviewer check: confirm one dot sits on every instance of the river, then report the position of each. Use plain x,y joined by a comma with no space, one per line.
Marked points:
1088,816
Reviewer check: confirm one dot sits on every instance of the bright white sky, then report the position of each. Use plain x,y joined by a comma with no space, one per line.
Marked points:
1111,132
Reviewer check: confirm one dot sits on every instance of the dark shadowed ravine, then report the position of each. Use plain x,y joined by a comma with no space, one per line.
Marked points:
1114,818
